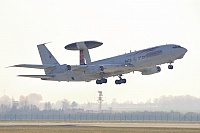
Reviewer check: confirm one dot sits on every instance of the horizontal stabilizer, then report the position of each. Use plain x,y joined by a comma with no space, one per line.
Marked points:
38,76
35,66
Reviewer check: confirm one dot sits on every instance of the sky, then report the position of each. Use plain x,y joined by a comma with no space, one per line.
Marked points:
122,25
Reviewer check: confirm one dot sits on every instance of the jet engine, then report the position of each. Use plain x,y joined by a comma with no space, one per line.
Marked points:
62,68
151,70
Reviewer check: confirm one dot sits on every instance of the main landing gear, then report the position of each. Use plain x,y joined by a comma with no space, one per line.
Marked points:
101,81
120,81
170,66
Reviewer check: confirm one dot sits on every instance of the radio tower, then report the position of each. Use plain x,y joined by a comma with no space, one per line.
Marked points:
100,100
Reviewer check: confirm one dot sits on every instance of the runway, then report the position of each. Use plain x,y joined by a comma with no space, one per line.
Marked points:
153,125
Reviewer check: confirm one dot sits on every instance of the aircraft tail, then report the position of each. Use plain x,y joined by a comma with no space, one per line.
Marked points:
46,57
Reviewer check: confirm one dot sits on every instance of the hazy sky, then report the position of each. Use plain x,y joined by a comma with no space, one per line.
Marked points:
122,25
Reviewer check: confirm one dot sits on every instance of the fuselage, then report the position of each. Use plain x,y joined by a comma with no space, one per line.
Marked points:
138,60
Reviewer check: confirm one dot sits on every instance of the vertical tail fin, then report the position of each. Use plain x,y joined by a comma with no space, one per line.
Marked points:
46,57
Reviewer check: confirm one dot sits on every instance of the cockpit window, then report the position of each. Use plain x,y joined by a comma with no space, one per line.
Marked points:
176,46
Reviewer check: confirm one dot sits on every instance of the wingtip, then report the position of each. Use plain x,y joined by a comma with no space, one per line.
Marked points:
16,65
11,66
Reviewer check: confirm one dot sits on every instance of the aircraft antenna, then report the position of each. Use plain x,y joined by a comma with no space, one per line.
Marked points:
45,43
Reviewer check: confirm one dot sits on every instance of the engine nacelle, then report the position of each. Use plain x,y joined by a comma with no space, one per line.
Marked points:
62,68
151,70
94,69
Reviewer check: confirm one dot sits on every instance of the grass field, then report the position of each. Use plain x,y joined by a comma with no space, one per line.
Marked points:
74,129
92,129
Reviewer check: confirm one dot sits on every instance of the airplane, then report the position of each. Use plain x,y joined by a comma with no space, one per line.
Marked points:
146,61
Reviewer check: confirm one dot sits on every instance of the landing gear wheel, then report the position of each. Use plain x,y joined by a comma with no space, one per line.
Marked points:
104,80
170,67
117,82
100,81
123,81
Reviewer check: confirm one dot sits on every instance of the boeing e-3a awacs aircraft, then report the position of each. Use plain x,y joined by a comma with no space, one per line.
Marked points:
146,61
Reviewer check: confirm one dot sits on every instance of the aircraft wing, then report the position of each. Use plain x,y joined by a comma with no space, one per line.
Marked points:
117,69
78,67
109,68
38,76
35,66
106,68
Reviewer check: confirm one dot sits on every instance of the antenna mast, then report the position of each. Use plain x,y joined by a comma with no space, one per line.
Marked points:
100,100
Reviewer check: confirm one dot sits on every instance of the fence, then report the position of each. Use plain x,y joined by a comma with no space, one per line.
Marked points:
102,117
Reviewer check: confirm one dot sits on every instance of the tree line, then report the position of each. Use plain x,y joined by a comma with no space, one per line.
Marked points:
33,102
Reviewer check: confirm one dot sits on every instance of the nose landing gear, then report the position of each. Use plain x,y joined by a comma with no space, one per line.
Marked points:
170,66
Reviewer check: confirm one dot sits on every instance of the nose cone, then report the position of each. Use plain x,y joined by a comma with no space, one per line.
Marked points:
182,53
184,50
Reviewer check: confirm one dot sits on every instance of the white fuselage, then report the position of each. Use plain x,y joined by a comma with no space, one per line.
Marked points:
138,60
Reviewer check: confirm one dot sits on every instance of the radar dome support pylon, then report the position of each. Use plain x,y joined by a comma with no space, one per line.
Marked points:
83,48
